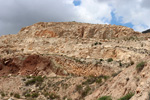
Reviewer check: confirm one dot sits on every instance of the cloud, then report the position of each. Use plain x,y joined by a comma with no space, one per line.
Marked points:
133,11
145,3
15,14
92,12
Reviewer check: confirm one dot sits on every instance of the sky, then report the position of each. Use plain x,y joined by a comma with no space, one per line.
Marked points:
15,14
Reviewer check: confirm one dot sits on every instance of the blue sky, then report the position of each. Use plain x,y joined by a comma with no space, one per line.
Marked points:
76,2
118,21
114,20
129,13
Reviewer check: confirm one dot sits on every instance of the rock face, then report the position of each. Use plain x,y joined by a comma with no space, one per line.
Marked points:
85,61
77,30
146,31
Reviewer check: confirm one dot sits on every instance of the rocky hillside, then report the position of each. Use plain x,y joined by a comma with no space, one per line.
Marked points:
74,61
76,30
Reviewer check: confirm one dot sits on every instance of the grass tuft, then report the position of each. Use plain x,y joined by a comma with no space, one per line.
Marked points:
127,96
105,98
140,66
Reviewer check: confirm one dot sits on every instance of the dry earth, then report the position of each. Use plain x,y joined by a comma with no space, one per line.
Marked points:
74,61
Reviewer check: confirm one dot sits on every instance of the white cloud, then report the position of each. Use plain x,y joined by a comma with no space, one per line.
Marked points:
131,11
93,12
15,14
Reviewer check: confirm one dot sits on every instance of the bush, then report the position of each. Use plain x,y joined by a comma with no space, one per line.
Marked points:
149,96
104,77
37,79
79,88
90,80
3,94
140,66
99,80
93,79
35,95
17,95
27,95
96,43
105,98
101,60
11,94
109,60
127,96
85,91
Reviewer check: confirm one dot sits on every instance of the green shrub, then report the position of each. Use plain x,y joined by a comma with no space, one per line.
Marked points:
46,94
99,80
79,88
96,43
140,66
109,60
3,94
104,77
127,96
115,74
85,91
35,95
16,95
36,79
90,80
93,79
105,98
149,96
101,60
11,94
27,95
132,62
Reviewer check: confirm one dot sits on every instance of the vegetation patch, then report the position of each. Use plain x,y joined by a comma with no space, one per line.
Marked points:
149,96
140,66
97,43
79,88
109,60
16,95
36,79
85,91
27,95
35,95
105,98
101,60
115,74
93,79
127,96
3,94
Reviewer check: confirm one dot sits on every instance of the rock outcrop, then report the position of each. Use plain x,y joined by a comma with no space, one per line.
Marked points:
77,30
146,31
